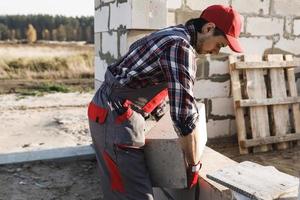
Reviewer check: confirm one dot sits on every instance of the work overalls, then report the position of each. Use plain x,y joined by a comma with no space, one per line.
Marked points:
119,138
118,131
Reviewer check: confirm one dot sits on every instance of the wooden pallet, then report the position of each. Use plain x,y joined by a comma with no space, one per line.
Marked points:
266,103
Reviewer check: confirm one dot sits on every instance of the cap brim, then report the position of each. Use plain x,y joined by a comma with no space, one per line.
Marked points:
234,44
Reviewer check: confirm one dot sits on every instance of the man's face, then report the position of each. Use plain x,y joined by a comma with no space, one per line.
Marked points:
207,43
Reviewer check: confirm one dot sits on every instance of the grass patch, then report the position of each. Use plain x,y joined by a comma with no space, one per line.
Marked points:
44,88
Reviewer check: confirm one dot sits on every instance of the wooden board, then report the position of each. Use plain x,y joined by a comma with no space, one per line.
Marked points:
256,181
266,64
293,93
280,117
237,95
256,89
269,101
270,140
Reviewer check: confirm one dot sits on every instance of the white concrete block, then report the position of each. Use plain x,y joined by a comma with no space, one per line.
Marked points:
108,1
289,25
255,45
183,15
286,7
218,67
201,5
174,4
291,46
297,26
163,152
123,44
97,43
264,26
218,128
222,106
97,3
171,20
120,14
110,43
149,14
134,35
97,84
100,68
209,89
232,128
131,36
243,27
252,7
209,190
134,14
101,19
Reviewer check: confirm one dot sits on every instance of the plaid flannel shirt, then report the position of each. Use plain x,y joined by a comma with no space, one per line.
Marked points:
166,56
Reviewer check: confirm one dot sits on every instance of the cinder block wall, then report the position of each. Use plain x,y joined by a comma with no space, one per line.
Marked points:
270,26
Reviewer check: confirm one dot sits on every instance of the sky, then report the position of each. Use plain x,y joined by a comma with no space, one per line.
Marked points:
53,7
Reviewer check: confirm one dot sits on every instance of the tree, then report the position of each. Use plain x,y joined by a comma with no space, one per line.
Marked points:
46,34
54,34
59,27
4,32
61,33
31,34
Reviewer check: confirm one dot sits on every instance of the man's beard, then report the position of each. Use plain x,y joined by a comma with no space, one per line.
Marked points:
199,46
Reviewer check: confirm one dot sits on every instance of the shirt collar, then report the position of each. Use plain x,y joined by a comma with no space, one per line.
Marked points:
192,34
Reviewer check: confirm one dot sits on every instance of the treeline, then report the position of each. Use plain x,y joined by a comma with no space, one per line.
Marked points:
46,27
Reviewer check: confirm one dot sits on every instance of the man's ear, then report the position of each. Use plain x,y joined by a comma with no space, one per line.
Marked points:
208,27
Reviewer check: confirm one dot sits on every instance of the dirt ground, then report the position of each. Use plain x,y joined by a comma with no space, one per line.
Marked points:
50,181
59,120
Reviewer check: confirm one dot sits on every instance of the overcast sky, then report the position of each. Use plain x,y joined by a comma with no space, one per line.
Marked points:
52,7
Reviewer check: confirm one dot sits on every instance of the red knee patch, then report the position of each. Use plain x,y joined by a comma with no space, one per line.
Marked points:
115,175
97,113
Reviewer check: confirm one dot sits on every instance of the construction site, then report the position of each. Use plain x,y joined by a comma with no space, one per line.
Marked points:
248,104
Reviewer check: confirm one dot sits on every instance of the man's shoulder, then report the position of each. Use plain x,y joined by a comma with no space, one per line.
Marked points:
173,33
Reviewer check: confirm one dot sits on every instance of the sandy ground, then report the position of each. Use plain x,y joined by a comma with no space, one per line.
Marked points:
50,121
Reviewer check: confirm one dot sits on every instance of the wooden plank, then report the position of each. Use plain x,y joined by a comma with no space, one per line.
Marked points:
266,64
280,118
256,89
268,101
256,181
293,92
237,95
270,140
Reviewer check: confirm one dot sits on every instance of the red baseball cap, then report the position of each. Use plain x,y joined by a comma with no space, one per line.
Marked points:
227,20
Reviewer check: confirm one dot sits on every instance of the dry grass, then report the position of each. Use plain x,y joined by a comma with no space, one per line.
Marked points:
42,61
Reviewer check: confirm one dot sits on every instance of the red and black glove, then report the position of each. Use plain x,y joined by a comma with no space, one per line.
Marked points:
193,174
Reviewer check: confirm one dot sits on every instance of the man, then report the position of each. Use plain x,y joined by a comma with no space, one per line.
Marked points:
136,86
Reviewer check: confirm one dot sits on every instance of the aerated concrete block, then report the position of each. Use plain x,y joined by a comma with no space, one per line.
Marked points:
164,155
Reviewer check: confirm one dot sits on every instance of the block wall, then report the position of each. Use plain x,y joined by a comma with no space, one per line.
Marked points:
269,26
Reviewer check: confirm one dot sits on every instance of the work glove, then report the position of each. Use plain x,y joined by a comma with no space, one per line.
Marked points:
193,174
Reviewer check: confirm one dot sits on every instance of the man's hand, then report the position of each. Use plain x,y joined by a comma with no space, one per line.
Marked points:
190,145
193,174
